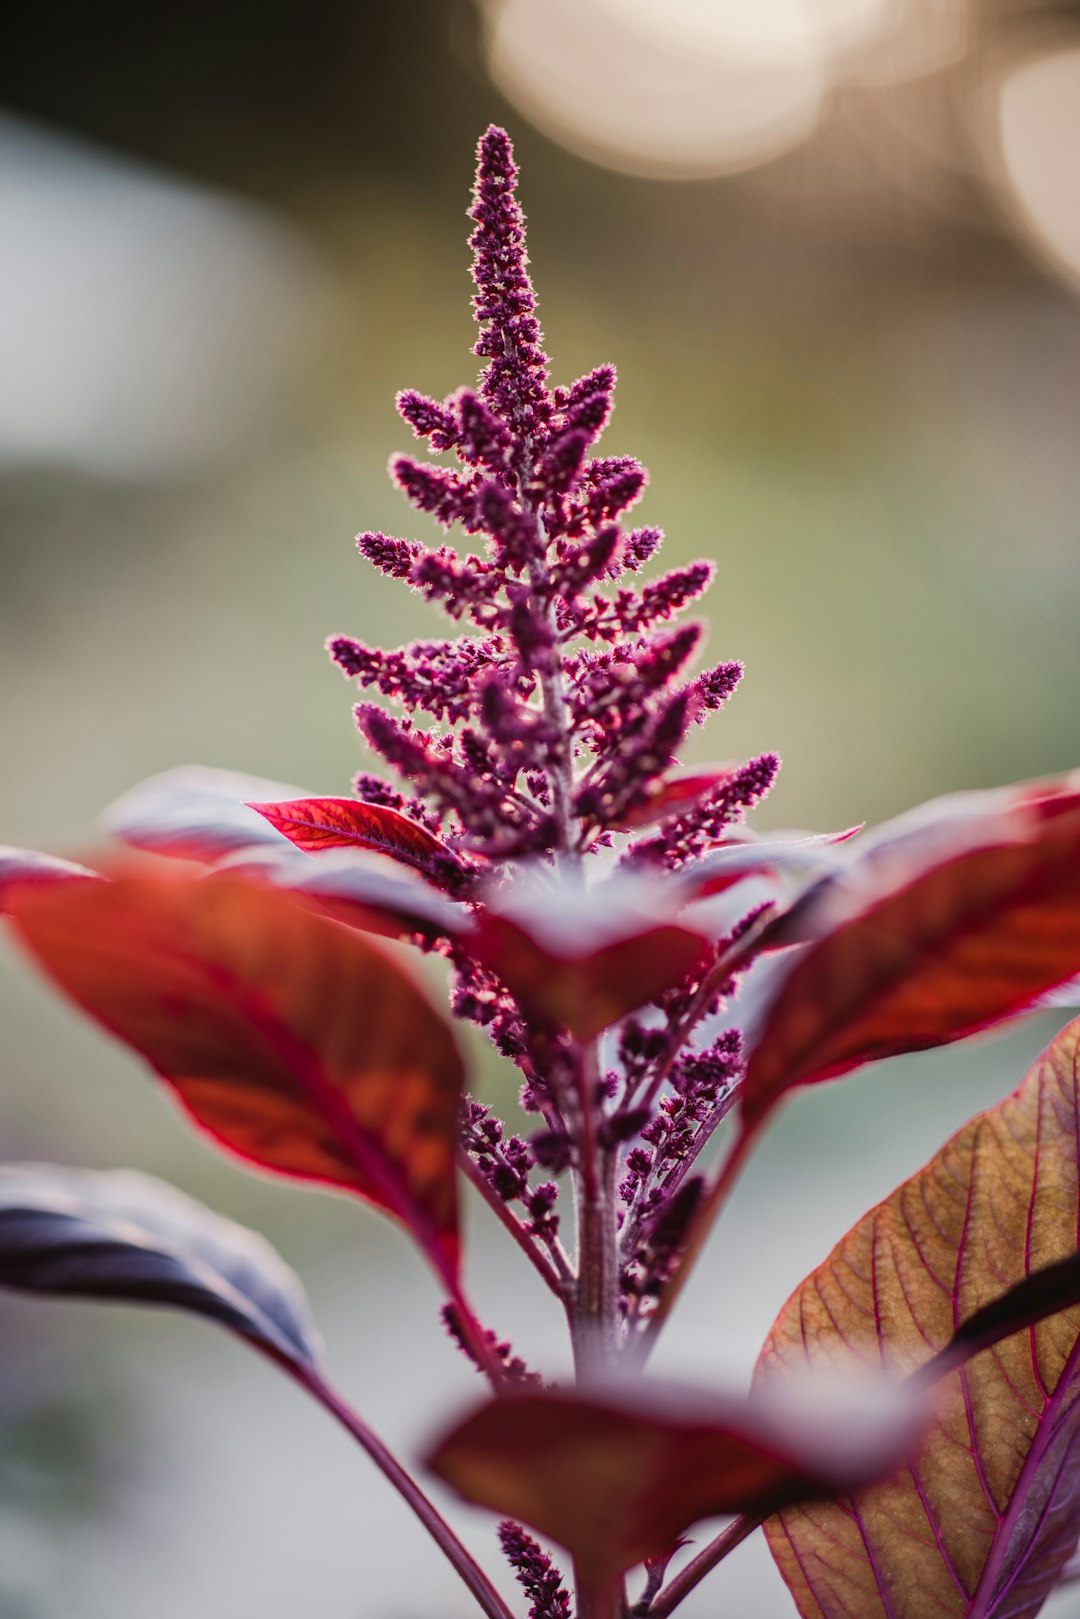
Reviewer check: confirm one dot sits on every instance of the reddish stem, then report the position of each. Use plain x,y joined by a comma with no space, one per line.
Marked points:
594,1318
597,1600
489,1600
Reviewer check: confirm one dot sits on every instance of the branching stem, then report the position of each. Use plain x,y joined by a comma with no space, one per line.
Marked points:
679,1588
594,1315
595,1319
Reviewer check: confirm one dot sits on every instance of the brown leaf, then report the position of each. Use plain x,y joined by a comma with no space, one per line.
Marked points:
584,957
981,1524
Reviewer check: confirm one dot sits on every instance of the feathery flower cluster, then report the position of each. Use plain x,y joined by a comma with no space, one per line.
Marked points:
544,733
547,731
507,1161
538,1576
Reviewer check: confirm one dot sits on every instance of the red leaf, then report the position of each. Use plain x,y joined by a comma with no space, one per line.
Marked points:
587,957
20,868
908,951
617,1478
314,824
924,837
984,1519
296,1043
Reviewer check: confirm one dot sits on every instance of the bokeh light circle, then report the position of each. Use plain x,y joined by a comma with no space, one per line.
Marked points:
1038,131
662,90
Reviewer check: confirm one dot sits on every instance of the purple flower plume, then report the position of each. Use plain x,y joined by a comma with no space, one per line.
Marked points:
518,739
547,730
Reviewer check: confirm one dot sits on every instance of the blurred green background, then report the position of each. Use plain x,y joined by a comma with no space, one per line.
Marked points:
834,248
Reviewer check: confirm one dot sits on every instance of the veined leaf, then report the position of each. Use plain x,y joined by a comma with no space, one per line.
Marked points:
27,866
982,1523
196,813
904,956
1043,1292
295,1042
315,824
616,1477
115,1234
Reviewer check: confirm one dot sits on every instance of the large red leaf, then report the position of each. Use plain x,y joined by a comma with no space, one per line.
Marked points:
988,1514
295,1042
883,860
586,957
315,824
616,1478
905,955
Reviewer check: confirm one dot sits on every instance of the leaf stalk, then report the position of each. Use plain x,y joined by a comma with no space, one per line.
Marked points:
488,1599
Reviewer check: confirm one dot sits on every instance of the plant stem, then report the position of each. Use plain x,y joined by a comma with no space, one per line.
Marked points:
561,775
597,1599
593,1309
489,1600
595,1320
594,1313
678,1589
